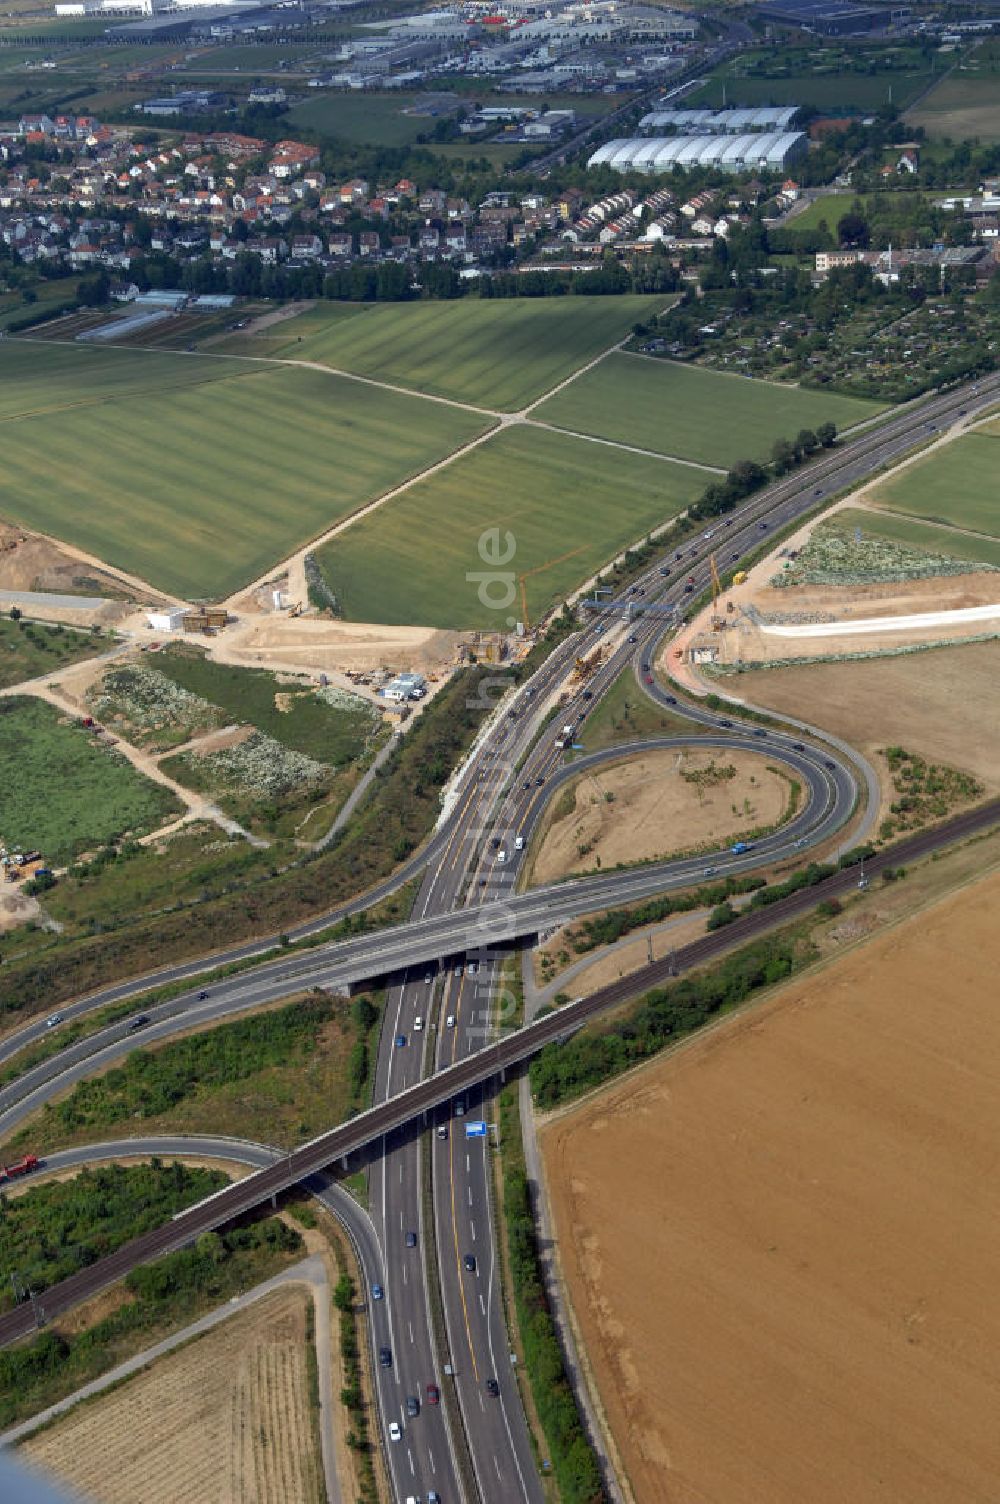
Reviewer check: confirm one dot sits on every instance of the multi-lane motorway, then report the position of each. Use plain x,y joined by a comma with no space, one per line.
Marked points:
430,1193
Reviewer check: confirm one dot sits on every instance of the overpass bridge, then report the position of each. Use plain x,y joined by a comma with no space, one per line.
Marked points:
493,1061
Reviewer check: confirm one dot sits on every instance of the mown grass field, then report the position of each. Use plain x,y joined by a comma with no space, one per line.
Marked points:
201,488
43,380
916,534
62,794
570,505
496,354
692,413
959,483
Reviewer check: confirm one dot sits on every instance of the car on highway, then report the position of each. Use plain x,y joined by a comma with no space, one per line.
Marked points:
458,970
428,979
449,1022
385,1357
725,723
203,994
670,699
470,1262
633,637
759,731
411,1239
588,694
645,666
539,782
734,556
460,1107
139,1022
473,968
418,1024
798,747
818,491
648,678
709,871
762,527
377,1292
433,1394
664,573
400,1041
492,1387
53,1019
526,785
412,1405
829,762
442,1131
395,1431
688,589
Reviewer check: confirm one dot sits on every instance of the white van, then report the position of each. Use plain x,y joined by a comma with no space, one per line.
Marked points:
501,856
518,843
418,1024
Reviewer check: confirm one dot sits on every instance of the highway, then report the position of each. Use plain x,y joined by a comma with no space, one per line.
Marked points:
417,1103
467,908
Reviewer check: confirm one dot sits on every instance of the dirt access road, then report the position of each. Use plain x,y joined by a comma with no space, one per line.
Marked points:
780,1241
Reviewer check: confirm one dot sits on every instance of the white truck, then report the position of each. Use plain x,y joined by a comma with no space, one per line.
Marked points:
565,737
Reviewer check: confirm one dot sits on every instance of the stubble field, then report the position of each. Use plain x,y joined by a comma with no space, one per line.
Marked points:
224,1420
780,1241
706,416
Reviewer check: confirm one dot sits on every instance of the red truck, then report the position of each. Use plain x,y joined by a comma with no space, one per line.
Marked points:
21,1167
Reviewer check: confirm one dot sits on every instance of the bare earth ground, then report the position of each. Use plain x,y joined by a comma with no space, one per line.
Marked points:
277,641
655,810
942,704
32,561
781,1240
224,1420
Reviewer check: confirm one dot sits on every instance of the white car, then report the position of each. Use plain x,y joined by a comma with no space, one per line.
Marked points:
501,856
518,843
449,1022
395,1431
418,1024
55,1018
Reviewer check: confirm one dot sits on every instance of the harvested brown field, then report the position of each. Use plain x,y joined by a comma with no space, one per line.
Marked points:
780,1240
655,805
224,1420
941,704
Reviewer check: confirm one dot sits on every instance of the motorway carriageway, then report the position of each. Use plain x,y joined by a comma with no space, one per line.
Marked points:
453,1081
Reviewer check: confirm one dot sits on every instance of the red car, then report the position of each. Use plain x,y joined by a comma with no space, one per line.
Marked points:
433,1394
649,678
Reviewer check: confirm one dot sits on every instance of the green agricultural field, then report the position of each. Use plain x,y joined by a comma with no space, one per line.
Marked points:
814,81
957,484
829,207
948,541
200,489
64,794
375,119
496,354
42,380
694,414
570,505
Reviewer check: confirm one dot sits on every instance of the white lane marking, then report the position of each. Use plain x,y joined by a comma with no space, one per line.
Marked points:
473,1226
468,1166
470,1195
410,1325
413,1470
430,1459
497,1466
406,1277
482,1303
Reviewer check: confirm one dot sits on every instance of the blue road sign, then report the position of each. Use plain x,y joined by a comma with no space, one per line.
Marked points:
475,1130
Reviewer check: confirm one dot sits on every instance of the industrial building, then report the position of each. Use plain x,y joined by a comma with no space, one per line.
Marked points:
832,18
760,151
719,122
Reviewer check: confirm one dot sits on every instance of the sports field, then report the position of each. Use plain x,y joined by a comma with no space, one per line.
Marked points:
570,505
199,489
913,533
959,483
497,354
692,413
962,107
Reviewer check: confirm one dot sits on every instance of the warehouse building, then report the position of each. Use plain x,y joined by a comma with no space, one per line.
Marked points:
758,151
832,18
718,122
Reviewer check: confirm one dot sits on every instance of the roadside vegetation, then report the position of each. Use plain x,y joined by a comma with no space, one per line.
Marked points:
391,824
925,792
281,1075
574,1465
63,792
151,1302
625,714
28,649
50,1231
